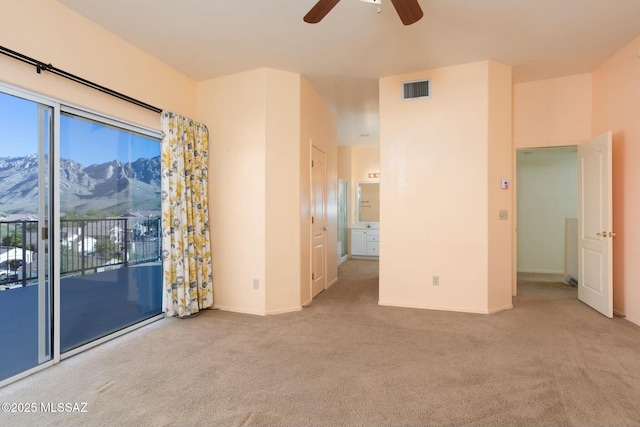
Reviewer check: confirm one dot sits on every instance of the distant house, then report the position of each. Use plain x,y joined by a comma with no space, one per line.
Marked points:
72,238
141,214
139,224
9,253
12,261
116,234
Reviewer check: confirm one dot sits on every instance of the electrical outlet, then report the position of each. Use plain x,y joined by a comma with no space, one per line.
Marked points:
436,281
256,283
504,215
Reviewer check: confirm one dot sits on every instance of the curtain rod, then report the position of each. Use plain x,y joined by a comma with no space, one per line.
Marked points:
41,66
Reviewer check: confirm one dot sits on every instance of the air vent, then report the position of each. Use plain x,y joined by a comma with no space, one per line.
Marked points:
417,89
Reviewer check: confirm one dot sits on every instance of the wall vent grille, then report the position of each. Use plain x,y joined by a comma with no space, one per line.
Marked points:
416,89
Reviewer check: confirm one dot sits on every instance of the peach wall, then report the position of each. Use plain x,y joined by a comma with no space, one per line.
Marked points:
233,108
49,32
318,125
344,163
616,107
283,251
500,159
434,156
364,159
553,112
262,123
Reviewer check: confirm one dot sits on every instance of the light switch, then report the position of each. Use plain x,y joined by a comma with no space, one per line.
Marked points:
504,214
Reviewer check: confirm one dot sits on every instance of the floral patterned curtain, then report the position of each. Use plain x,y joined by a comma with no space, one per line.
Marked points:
186,253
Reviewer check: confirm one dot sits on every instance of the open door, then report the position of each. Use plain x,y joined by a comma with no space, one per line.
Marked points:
595,234
318,221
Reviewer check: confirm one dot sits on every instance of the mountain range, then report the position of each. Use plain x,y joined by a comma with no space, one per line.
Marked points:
110,187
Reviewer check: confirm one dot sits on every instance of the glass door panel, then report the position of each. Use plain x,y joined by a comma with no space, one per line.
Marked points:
342,218
110,209
25,290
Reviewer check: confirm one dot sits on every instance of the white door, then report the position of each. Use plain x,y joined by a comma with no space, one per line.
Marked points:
318,221
595,234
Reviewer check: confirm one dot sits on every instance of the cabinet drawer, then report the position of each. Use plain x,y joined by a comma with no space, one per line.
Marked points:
373,248
373,238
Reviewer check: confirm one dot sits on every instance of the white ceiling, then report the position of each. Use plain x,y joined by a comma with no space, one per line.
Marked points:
345,54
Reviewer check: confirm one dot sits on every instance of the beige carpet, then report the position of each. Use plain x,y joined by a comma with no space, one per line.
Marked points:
345,361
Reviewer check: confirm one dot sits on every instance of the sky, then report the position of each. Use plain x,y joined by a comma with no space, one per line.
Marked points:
82,141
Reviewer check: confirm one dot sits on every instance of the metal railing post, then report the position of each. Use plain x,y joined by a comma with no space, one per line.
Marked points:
24,253
126,242
82,253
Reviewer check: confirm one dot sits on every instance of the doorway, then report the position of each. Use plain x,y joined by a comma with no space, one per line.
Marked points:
553,192
547,211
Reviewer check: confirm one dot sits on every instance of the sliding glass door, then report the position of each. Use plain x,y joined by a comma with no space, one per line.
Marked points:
110,263
25,289
80,211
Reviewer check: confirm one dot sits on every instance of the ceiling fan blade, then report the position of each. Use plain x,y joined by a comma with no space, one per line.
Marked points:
319,11
408,10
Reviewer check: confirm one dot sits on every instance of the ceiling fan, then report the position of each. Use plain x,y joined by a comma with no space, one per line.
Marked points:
408,10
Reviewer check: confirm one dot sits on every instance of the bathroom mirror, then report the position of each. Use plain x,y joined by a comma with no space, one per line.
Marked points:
368,201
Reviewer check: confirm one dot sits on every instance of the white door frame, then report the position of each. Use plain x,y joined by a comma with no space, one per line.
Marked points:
323,224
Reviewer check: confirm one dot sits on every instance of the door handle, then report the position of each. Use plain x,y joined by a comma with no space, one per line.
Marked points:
605,234
324,228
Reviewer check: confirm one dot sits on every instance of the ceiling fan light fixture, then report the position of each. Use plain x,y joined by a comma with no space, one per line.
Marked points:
409,11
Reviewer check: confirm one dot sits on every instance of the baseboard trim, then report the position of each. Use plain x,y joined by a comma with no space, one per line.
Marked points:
308,302
432,307
240,310
333,282
634,321
284,310
503,308
541,271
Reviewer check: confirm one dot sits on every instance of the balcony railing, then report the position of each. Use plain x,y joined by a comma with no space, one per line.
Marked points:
87,246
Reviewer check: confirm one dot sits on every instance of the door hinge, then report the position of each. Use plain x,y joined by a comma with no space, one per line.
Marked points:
313,220
45,233
313,276
311,163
